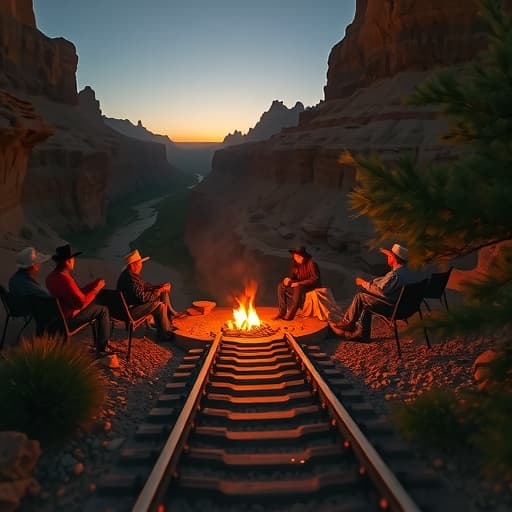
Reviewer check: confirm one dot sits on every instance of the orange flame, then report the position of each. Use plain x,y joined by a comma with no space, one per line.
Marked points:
245,316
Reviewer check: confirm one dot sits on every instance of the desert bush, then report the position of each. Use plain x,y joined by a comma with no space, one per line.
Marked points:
434,419
49,389
493,437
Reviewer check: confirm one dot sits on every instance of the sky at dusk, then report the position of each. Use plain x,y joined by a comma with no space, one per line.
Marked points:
198,69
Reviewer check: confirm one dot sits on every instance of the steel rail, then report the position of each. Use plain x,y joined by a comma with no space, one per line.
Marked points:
383,477
162,472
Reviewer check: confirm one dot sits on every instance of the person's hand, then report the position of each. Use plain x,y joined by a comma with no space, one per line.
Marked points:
166,287
360,282
286,281
294,285
100,284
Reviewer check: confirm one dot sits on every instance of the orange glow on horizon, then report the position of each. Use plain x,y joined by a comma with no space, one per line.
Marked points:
197,137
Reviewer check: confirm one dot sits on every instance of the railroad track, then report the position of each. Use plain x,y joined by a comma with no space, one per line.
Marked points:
253,424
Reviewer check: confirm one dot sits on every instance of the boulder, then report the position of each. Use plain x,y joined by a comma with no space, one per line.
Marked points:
18,458
481,368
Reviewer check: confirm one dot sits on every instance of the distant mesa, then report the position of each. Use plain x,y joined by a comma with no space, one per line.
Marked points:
138,131
196,158
272,121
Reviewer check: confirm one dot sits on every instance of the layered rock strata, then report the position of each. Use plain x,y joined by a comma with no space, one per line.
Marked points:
84,164
21,128
261,199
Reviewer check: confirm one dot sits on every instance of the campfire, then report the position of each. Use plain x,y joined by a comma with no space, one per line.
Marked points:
246,322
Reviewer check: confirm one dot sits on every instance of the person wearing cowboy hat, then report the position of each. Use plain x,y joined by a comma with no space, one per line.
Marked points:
356,323
77,303
144,298
304,276
23,283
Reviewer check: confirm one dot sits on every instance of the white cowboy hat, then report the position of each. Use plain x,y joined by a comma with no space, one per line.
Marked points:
29,256
133,257
398,250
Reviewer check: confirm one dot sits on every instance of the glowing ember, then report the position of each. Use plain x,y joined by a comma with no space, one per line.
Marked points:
245,316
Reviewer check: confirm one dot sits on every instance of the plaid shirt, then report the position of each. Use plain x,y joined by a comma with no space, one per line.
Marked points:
307,274
135,289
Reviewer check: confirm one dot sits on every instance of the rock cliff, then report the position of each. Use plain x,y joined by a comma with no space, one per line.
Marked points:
83,164
263,198
391,36
21,128
21,10
32,63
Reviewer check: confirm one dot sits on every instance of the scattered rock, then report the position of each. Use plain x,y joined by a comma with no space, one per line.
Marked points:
78,469
115,444
481,373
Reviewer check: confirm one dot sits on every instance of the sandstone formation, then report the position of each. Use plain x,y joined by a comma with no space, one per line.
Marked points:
20,129
391,36
21,10
263,198
30,62
84,164
272,121
18,458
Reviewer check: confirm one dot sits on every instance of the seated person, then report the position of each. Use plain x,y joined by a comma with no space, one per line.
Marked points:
77,303
143,297
23,283
304,276
357,319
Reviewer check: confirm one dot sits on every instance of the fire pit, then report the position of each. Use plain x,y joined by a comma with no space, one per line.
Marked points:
261,331
194,331
245,322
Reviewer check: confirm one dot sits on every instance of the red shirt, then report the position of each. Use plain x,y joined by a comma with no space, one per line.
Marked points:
72,298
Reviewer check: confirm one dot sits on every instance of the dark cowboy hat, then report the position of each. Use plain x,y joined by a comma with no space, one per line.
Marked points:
300,250
64,253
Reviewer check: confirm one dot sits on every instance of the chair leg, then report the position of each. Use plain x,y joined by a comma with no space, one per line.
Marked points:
5,332
424,329
27,321
130,333
445,301
397,340
426,305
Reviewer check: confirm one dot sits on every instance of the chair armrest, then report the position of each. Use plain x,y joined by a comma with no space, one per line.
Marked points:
380,299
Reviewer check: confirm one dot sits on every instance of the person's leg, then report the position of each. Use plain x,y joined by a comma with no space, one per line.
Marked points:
281,300
365,321
162,322
98,313
348,322
141,310
296,294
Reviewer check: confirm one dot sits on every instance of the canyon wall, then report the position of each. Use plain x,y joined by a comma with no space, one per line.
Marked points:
264,198
21,128
68,179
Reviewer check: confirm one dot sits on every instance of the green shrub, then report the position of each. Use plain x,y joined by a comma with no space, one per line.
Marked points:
434,419
48,389
493,438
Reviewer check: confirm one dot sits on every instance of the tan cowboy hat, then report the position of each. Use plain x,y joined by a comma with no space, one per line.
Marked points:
398,250
133,257
28,257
